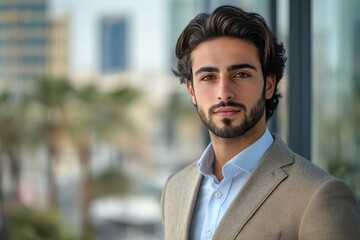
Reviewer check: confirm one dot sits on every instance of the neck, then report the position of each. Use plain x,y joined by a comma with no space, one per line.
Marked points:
225,149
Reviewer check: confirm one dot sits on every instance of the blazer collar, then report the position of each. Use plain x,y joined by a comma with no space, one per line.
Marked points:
265,178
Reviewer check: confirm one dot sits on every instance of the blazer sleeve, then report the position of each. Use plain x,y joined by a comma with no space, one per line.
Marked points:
332,213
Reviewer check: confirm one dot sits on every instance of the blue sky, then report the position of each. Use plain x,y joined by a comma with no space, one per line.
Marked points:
84,19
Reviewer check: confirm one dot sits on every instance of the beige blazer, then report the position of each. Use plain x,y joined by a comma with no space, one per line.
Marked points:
286,197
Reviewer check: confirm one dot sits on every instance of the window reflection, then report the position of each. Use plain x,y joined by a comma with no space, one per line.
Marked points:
336,88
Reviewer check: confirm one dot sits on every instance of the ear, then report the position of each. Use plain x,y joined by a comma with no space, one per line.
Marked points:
270,86
191,91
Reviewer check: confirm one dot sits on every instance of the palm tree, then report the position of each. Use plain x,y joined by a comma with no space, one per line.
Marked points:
10,136
100,115
11,127
47,105
53,112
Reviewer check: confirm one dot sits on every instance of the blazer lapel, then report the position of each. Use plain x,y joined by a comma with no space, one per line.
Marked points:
188,202
265,178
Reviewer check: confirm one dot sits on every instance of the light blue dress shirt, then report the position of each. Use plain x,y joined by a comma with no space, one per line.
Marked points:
214,197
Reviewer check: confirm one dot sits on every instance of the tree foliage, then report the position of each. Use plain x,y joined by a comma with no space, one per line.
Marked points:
50,113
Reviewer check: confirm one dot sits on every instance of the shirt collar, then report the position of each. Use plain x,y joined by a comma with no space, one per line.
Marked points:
246,160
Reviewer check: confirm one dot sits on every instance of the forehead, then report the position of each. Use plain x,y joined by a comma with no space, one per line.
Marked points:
223,52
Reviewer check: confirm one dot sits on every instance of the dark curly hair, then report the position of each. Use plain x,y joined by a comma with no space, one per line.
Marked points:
230,21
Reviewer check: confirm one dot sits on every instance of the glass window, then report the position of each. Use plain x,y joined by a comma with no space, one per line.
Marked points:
336,88
259,6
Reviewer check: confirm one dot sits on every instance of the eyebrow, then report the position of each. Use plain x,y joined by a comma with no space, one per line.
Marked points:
230,68
240,66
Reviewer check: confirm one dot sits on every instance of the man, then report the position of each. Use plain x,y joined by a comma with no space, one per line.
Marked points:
247,184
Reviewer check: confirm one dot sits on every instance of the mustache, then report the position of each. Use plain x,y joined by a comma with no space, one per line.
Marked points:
226,104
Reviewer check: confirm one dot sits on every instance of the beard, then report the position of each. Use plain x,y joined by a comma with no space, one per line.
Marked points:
251,118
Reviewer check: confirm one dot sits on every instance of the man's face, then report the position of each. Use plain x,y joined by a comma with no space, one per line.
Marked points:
228,86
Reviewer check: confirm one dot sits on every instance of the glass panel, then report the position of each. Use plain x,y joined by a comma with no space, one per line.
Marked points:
258,6
336,88
283,36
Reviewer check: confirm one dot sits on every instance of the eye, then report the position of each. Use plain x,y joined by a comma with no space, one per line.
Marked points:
208,78
241,75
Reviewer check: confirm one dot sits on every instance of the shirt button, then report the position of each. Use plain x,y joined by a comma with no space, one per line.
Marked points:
208,234
218,194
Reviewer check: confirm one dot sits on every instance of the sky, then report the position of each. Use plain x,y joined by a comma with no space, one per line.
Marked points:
84,21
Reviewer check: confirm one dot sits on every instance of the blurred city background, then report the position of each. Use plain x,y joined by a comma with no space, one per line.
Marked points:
92,121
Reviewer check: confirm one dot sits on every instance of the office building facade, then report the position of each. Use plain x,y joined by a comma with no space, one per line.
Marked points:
113,44
23,40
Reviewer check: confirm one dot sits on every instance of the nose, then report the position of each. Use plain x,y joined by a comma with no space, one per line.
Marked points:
225,89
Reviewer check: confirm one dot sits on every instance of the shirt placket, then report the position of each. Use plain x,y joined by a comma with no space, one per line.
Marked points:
214,209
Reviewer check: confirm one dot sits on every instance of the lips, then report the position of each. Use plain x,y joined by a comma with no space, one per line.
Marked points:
226,111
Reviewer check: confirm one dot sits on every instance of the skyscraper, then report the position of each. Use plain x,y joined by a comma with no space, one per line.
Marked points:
58,46
23,40
113,44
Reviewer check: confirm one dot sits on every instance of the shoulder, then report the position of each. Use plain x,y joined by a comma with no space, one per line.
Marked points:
304,168
320,185
330,210
182,177
295,165
179,191
303,178
324,205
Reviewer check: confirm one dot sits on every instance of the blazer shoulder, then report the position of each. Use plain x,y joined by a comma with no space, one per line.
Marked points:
309,170
300,171
182,176
280,156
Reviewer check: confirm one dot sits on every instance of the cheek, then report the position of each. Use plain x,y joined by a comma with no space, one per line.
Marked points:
205,97
249,92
